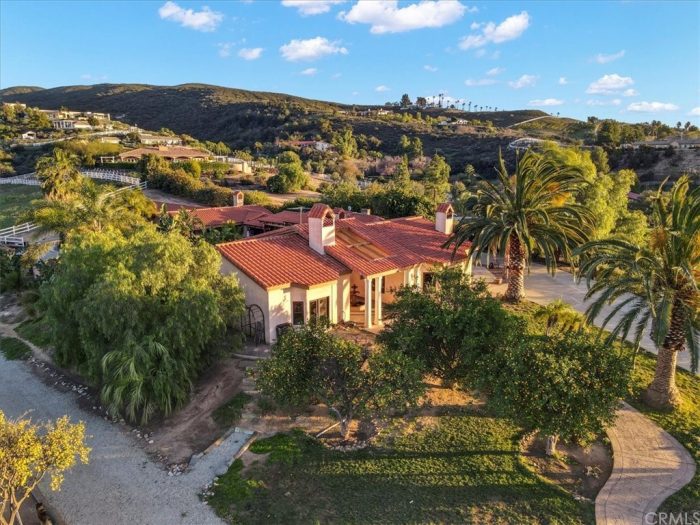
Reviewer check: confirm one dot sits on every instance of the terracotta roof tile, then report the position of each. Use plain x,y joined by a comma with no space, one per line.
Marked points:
319,211
212,217
444,207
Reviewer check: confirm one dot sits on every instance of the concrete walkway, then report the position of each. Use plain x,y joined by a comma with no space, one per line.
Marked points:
121,484
650,465
542,288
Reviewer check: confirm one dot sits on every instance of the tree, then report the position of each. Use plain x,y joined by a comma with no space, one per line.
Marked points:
290,174
29,453
609,133
600,158
657,281
437,179
526,212
565,387
58,174
405,100
92,207
345,143
421,102
312,364
449,326
92,120
140,316
561,315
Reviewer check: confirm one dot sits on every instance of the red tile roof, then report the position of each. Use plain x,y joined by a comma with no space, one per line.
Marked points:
444,207
244,215
319,211
368,248
285,217
281,260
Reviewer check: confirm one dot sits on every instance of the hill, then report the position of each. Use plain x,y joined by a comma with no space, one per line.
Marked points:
240,117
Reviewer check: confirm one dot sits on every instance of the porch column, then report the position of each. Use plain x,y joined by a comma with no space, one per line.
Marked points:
378,305
368,302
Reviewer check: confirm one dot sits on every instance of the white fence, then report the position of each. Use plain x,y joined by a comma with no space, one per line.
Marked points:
29,179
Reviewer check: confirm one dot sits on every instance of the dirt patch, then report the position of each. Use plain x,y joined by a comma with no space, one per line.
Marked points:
11,310
580,471
351,332
193,429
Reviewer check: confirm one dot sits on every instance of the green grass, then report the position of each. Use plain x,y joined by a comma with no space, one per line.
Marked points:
231,488
15,200
35,331
229,413
683,423
465,469
12,348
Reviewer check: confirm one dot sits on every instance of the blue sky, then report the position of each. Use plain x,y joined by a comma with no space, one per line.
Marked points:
634,61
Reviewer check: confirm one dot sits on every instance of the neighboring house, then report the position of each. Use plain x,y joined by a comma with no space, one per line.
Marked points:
110,140
318,145
239,165
29,135
171,153
151,140
675,142
70,124
337,267
243,215
300,215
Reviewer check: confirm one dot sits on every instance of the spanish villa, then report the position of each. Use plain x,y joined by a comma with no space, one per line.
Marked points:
151,140
171,153
338,266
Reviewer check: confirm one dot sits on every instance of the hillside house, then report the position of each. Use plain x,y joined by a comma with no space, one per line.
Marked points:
672,142
236,164
171,153
29,135
158,140
71,124
338,267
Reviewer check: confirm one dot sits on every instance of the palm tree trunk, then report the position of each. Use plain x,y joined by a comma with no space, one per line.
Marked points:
516,270
662,392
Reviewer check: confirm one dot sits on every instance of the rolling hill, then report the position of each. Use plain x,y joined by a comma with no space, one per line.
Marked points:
240,118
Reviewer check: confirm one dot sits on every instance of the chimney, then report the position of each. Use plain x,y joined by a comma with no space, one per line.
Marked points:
366,211
321,227
444,218
238,198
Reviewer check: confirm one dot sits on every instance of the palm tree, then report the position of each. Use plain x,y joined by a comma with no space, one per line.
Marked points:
657,282
532,210
58,173
562,315
470,105
92,207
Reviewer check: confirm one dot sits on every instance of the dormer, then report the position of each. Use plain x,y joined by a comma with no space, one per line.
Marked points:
444,218
321,227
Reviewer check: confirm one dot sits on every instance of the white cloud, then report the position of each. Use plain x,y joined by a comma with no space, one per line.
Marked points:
382,89
510,29
311,49
609,85
250,53
204,20
605,59
225,49
598,102
545,102
523,81
311,7
470,82
386,16
309,71
430,68
695,112
494,71
336,75
651,107
563,81
630,93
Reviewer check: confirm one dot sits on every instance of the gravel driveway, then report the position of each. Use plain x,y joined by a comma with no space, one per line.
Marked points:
120,484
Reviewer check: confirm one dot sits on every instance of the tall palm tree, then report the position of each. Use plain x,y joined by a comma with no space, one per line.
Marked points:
532,210
657,282
58,174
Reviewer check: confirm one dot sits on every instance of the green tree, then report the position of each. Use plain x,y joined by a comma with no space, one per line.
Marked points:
526,212
609,133
313,364
565,387
657,281
560,315
191,166
29,453
600,158
58,174
140,316
421,102
449,326
437,179
345,143
290,174
405,100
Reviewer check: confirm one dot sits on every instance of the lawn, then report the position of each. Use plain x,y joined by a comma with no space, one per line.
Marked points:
463,466
683,423
36,331
14,200
12,348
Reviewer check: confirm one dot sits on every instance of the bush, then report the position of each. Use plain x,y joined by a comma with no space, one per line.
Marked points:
13,348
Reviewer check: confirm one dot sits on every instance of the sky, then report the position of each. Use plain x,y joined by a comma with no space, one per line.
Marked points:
630,60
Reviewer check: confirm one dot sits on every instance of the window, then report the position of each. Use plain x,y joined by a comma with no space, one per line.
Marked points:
318,309
427,280
374,285
297,313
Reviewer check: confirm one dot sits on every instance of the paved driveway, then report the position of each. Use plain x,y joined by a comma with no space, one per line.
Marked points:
120,484
542,288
